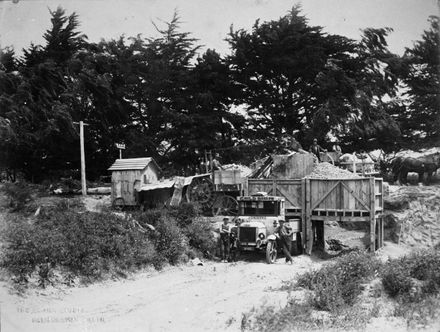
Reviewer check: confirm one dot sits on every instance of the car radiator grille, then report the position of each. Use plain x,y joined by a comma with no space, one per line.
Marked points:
247,234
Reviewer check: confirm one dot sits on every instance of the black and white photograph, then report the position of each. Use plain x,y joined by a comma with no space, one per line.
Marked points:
219,165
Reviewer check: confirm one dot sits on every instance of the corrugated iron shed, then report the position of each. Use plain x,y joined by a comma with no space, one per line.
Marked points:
132,164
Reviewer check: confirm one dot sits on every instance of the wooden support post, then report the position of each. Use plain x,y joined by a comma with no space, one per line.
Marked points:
211,166
309,230
372,216
354,163
382,235
206,163
303,213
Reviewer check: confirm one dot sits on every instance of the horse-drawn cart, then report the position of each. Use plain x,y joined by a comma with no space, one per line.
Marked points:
217,192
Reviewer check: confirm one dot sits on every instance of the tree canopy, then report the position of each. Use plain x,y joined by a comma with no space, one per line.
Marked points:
420,121
165,98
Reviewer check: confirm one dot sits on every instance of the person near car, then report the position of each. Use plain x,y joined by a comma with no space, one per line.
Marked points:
225,239
284,238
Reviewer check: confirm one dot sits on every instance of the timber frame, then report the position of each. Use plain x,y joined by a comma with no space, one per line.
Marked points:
343,200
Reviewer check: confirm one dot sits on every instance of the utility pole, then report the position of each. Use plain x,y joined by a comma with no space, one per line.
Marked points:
83,157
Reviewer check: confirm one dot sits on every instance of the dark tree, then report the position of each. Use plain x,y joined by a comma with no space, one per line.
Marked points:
420,121
295,77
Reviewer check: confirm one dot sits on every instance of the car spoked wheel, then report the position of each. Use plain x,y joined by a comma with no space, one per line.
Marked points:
271,252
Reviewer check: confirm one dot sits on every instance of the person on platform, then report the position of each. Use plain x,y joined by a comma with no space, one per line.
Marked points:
337,149
215,165
315,148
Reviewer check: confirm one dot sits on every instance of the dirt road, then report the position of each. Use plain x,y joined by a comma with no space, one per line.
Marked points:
212,297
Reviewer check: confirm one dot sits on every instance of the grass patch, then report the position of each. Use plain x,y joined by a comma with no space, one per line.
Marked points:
414,282
331,303
338,284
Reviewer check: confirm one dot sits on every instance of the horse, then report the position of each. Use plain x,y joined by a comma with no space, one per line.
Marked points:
401,166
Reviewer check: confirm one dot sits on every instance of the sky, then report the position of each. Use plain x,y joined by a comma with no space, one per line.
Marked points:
210,20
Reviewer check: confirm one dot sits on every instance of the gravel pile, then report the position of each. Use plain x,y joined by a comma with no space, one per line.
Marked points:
244,170
328,171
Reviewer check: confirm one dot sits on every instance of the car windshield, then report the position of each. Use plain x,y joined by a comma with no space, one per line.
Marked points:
256,208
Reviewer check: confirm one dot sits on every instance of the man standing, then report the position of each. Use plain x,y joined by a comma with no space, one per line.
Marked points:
215,166
316,149
224,239
284,238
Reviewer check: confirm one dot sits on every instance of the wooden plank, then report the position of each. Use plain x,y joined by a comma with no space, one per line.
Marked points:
322,197
354,219
381,234
352,197
303,213
379,193
372,217
309,232
332,198
353,194
289,196
360,192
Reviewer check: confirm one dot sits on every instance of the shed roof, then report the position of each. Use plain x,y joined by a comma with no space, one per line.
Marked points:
132,164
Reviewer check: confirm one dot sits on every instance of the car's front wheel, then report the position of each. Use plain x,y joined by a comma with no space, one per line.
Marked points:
271,252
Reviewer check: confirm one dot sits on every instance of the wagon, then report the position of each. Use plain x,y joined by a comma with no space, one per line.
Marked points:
217,192
214,192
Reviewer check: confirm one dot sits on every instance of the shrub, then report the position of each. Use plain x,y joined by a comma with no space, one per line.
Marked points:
401,275
20,258
87,244
151,217
425,266
184,214
338,284
421,313
169,240
396,279
200,236
19,194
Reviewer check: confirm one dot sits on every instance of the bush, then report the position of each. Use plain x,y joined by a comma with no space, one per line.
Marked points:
92,244
184,214
401,276
151,217
87,244
200,236
293,317
338,284
19,194
396,279
170,240
421,313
